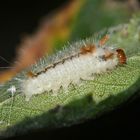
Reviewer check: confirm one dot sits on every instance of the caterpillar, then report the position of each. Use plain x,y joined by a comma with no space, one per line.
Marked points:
82,60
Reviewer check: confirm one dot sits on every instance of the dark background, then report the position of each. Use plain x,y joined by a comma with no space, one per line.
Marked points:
17,19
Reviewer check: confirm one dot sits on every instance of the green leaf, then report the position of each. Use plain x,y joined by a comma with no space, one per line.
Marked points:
86,101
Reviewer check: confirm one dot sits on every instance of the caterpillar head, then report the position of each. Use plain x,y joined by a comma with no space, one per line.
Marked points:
121,56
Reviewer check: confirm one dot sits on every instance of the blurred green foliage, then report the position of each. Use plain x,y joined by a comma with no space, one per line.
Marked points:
96,15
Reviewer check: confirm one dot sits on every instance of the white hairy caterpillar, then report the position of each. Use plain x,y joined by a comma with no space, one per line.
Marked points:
82,60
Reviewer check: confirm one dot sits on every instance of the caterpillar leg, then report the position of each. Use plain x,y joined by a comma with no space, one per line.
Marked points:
87,78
